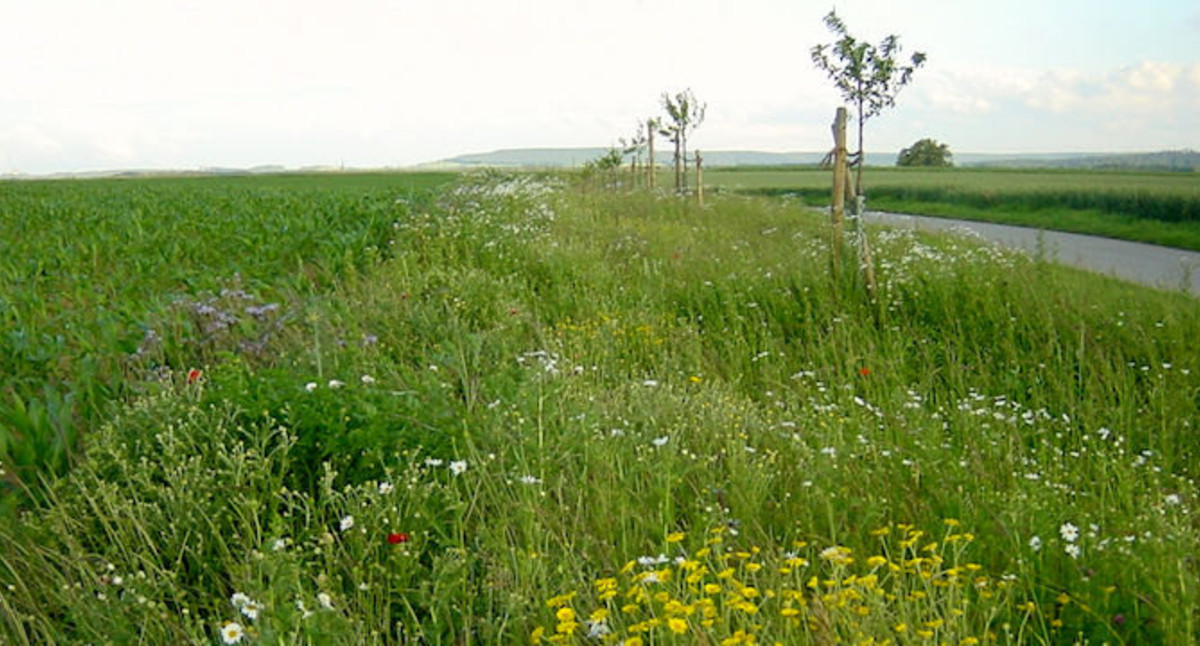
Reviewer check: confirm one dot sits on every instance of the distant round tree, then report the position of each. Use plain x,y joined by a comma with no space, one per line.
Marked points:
925,152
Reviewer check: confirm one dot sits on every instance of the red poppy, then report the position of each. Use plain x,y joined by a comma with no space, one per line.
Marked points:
864,371
193,376
397,538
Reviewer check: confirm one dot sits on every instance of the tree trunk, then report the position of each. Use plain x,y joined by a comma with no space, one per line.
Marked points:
678,177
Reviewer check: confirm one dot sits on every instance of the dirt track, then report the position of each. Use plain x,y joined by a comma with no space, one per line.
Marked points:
1162,267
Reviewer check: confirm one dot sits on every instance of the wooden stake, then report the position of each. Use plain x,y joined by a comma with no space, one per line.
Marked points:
699,180
653,181
840,186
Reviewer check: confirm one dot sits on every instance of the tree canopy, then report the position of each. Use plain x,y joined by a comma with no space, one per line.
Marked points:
868,76
926,152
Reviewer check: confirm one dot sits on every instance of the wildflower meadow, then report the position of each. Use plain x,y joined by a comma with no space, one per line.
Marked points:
499,409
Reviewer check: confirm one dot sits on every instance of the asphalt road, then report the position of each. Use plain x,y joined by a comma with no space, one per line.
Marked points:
1161,267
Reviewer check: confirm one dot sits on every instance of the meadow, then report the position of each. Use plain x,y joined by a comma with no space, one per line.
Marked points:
1157,208
500,409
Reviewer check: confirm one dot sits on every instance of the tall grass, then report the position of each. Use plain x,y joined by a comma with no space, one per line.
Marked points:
577,418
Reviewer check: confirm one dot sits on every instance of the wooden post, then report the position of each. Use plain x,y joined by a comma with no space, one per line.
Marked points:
699,180
678,176
650,171
840,184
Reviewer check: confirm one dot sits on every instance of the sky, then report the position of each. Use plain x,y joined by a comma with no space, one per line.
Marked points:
183,84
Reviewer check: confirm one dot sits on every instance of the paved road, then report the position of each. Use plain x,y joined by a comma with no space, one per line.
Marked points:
1161,267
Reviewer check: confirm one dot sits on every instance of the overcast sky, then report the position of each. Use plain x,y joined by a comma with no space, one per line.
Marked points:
102,84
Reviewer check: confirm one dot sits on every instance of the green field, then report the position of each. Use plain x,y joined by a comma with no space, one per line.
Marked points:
105,281
493,409
1158,208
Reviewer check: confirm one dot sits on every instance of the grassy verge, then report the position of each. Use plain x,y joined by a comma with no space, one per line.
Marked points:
569,419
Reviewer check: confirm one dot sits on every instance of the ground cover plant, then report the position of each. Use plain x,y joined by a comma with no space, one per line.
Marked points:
1158,208
563,417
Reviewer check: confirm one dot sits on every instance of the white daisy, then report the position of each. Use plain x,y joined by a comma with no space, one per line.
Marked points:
232,632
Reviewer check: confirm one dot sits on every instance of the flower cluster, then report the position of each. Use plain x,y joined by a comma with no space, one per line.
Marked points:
727,593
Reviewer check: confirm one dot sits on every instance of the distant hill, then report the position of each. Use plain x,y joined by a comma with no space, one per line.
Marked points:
1183,160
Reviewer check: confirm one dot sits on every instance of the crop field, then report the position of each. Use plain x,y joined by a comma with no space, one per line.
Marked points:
498,408
102,282
1158,208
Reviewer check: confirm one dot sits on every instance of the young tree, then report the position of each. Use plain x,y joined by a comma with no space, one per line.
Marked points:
633,148
869,77
926,152
685,114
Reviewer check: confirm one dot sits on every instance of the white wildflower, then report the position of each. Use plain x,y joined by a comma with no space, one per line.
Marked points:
232,632
1069,532
347,523
251,609
661,441
457,467
310,386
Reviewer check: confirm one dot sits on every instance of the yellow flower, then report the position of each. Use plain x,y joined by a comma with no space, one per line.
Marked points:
951,522
711,588
789,612
675,537
633,641
600,614
677,625
739,637
565,614
536,636
969,641
1063,599
560,600
925,633
876,561
900,627
566,627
